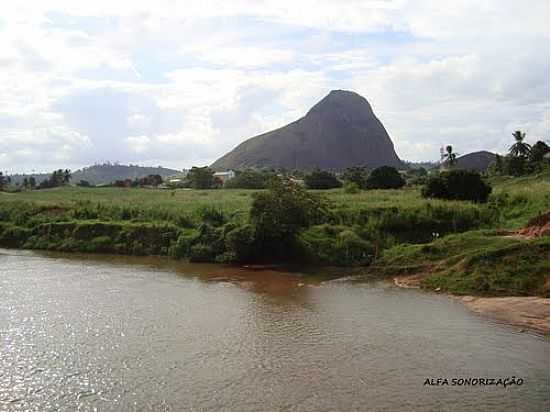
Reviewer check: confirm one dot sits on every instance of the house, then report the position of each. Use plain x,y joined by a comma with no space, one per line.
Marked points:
224,176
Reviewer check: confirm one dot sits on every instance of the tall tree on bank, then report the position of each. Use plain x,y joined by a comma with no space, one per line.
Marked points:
519,148
449,156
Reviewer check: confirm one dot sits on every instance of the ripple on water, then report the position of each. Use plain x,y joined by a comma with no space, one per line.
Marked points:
112,335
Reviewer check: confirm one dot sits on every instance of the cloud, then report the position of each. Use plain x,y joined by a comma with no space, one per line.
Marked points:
180,83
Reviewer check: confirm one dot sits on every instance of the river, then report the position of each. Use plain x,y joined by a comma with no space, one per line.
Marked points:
118,333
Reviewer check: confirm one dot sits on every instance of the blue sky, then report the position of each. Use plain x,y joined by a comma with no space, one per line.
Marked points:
178,83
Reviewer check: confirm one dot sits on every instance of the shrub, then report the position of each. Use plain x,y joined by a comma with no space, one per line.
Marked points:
202,253
322,180
281,212
211,215
335,245
201,178
249,179
357,175
457,185
385,177
240,243
13,236
351,187
182,246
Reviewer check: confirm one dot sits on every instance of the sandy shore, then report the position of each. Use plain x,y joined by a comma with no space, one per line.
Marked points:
526,312
529,312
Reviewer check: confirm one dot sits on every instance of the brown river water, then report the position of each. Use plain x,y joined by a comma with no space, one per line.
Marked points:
81,333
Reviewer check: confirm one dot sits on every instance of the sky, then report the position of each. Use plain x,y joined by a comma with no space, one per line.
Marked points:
179,83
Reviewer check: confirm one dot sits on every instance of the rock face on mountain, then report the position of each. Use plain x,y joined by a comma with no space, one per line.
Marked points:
340,131
479,161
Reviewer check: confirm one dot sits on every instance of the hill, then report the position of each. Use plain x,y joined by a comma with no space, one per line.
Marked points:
340,131
478,161
105,173
108,173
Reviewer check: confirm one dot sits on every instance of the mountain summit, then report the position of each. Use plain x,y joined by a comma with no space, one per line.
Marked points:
340,131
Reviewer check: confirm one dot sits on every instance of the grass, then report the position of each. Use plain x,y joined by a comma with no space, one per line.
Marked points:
170,200
477,263
456,243
519,199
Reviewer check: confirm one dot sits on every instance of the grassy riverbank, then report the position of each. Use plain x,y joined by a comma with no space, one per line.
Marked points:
395,230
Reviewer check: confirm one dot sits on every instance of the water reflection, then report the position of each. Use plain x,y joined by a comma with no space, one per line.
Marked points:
119,333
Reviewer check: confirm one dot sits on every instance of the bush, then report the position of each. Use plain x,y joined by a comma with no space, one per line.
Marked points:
385,177
357,175
322,180
202,253
351,187
281,212
182,247
457,185
249,179
240,243
335,245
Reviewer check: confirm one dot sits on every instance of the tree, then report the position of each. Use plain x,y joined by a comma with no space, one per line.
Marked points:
499,164
3,181
280,213
516,166
457,185
357,175
201,178
150,180
385,177
449,156
25,183
519,148
58,178
250,179
538,151
32,182
321,179
83,183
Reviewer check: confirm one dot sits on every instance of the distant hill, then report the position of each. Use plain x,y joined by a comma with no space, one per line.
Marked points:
479,161
338,132
105,173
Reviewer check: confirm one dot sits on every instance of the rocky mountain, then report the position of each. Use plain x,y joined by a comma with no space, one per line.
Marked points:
340,131
478,161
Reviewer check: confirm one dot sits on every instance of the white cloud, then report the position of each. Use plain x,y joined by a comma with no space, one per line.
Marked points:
181,82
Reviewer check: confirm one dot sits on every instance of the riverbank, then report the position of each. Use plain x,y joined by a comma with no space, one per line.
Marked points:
523,311
386,232
530,312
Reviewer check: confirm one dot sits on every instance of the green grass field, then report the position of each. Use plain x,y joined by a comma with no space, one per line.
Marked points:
456,241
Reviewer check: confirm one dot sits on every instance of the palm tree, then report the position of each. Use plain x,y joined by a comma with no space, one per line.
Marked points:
449,156
520,148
